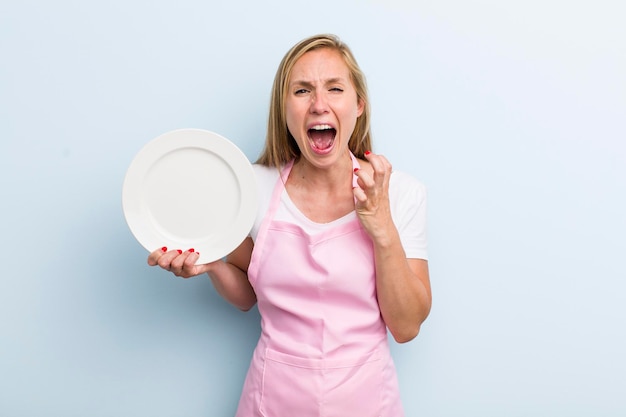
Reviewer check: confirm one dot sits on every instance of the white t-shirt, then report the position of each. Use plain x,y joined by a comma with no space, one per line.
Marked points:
407,197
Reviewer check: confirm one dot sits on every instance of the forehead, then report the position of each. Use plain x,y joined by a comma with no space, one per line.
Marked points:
320,64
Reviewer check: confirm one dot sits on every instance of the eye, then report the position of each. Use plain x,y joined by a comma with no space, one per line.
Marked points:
336,90
301,91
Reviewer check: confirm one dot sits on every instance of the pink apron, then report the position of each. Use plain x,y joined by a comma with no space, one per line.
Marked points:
323,349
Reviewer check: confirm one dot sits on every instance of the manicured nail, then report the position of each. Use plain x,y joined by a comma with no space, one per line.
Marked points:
164,248
179,251
191,250
356,169
367,152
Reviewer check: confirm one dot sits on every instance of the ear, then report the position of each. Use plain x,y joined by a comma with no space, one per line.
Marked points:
360,107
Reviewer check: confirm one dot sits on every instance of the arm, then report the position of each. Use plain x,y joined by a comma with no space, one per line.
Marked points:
229,277
403,285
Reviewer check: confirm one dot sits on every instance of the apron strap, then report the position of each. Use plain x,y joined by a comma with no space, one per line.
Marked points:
355,165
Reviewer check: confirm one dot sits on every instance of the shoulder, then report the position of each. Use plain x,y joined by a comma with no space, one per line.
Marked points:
407,198
266,178
403,186
264,174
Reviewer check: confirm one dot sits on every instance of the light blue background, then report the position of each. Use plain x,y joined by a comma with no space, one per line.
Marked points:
512,112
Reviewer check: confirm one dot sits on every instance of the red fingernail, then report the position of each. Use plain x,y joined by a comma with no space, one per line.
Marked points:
191,250
164,248
356,169
179,251
367,152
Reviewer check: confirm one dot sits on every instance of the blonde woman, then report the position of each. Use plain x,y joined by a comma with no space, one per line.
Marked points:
337,255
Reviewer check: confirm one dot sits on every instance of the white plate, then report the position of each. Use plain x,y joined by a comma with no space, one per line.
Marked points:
190,188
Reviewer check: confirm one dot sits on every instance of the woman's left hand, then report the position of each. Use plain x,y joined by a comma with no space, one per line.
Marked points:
372,196
402,285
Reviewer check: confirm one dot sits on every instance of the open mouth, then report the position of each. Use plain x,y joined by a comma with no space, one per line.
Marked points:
322,137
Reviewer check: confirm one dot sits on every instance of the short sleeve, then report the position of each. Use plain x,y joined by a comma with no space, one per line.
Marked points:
266,178
407,197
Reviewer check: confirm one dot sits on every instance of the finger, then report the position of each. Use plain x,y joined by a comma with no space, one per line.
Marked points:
381,167
359,195
364,179
154,256
178,262
165,261
387,165
380,164
189,265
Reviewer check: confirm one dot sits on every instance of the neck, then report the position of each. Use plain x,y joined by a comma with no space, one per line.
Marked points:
330,178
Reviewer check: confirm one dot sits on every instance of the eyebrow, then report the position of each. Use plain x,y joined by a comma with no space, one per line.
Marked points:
308,84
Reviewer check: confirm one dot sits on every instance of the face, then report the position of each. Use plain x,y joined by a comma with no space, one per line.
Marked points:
322,106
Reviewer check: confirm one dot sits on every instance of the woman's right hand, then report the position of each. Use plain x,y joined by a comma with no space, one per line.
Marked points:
180,263
229,277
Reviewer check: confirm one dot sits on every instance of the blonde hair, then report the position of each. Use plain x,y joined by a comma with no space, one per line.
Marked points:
280,146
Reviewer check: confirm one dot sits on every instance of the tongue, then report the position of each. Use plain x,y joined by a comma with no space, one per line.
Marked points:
322,139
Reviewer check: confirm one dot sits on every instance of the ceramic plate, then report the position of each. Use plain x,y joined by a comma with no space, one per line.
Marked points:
190,188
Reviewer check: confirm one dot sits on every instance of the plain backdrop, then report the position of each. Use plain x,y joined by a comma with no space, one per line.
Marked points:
513,114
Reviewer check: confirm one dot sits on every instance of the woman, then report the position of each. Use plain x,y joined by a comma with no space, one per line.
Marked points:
337,254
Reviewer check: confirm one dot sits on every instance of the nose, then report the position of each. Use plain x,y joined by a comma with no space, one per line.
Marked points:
319,105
